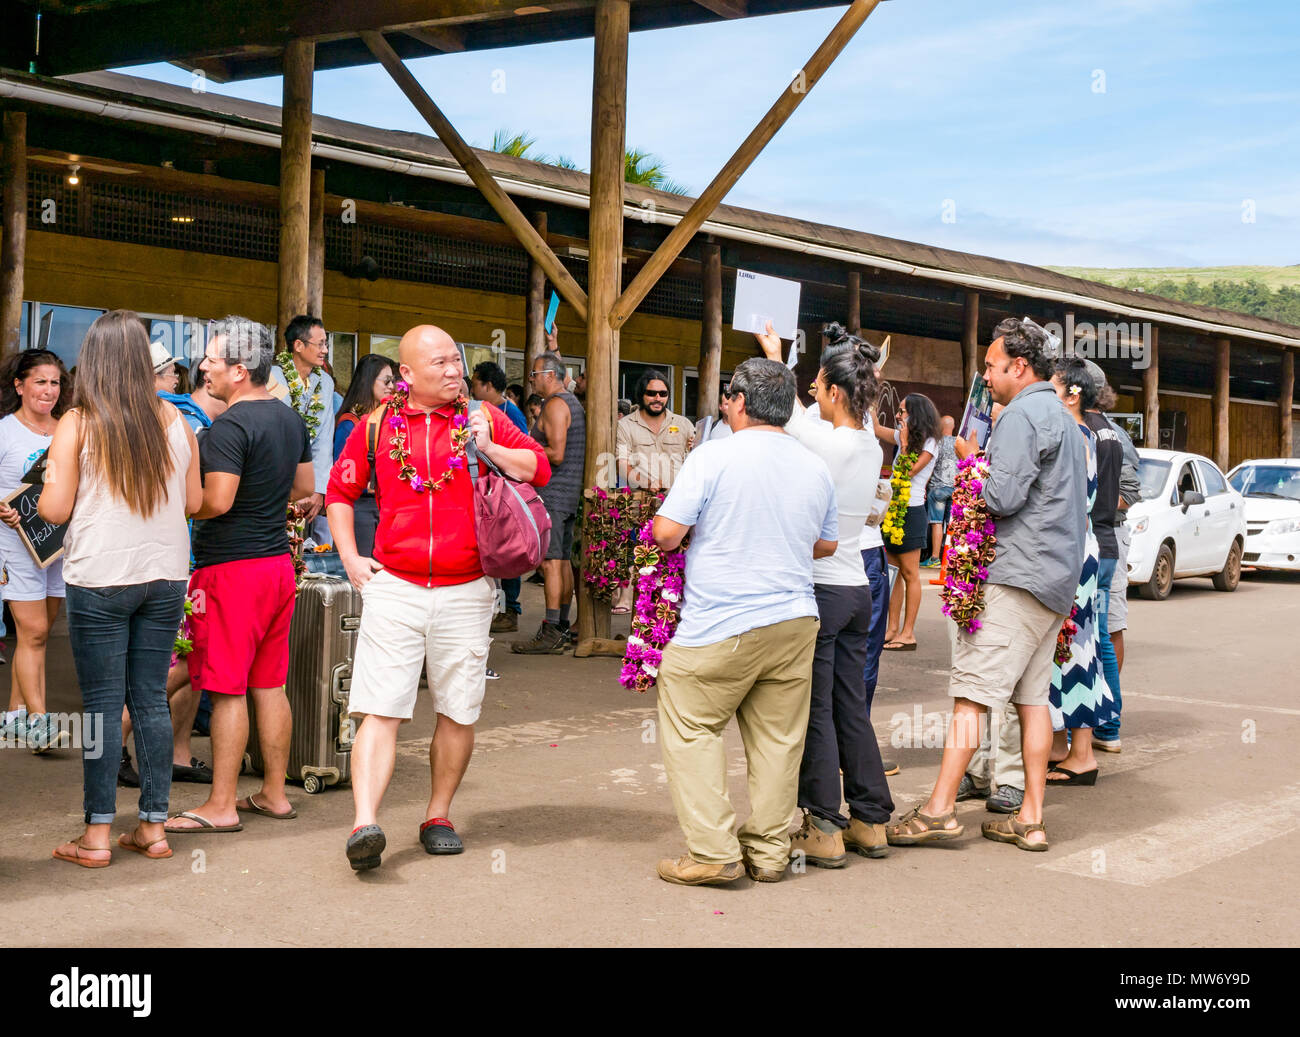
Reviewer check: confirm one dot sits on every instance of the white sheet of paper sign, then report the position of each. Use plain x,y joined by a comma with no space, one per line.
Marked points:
760,298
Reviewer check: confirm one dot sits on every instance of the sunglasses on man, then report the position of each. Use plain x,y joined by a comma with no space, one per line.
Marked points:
656,392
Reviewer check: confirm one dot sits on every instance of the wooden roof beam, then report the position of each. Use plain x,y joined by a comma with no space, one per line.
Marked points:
470,162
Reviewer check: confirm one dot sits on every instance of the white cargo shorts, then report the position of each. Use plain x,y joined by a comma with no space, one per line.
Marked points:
405,627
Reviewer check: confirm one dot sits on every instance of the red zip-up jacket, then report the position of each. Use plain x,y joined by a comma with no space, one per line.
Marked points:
424,538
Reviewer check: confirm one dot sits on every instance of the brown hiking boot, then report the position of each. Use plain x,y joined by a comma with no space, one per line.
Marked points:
868,840
505,623
824,849
687,871
762,874
549,640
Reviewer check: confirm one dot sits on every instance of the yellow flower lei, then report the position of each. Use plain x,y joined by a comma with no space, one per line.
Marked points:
901,480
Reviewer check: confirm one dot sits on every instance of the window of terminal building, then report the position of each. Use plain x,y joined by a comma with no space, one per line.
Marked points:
691,391
343,358
62,329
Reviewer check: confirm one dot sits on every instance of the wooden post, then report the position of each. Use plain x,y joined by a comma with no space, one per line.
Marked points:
604,277
970,331
316,246
710,368
1285,404
702,208
854,324
478,173
13,173
1151,394
295,183
535,310
1222,353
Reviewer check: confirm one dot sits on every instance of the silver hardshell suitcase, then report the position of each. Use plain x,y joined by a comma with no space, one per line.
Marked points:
322,642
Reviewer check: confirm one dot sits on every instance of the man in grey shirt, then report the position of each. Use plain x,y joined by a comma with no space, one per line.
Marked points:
1037,491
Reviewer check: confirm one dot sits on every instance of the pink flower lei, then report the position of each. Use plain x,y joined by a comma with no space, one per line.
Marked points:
972,544
660,585
401,453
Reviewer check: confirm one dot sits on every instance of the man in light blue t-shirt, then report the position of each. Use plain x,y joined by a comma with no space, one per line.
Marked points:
759,508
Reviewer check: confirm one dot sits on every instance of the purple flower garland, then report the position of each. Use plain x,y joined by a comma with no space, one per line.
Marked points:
660,585
972,544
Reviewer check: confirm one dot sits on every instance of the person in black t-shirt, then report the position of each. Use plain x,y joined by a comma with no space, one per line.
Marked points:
254,459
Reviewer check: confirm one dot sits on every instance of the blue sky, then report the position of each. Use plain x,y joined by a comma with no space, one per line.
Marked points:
988,113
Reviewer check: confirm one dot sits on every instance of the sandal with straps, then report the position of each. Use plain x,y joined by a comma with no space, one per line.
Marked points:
1013,830
914,828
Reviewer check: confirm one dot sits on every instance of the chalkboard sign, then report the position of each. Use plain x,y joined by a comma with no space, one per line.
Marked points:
43,540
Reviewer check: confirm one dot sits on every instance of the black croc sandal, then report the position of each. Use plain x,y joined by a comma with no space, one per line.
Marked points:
438,836
364,847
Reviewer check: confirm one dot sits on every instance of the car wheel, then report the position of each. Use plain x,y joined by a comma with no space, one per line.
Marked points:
1231,575
1162,576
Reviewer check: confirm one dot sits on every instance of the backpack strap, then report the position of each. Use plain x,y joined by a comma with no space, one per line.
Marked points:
471,452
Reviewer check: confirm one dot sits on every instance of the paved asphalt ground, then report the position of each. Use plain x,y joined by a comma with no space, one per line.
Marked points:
1190,838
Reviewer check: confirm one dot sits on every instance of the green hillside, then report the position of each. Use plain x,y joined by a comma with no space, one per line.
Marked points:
1270,276
1263,291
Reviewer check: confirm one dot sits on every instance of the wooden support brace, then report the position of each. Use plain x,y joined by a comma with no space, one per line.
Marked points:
496,197
799,88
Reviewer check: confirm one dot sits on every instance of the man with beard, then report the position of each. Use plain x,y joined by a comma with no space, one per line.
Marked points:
652,441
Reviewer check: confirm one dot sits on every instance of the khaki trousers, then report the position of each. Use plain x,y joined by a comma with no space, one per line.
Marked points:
764,679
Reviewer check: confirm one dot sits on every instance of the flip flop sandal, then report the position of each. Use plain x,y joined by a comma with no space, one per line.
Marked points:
901,646
204,825
914,828
127,841
83,854
1013,830
255,808
437,836
1088,778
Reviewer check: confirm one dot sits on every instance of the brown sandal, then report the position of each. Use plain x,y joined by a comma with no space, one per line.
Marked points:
915,827
75,853
127,841
1013,830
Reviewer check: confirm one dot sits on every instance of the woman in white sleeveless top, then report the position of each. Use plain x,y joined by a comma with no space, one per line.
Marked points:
123,473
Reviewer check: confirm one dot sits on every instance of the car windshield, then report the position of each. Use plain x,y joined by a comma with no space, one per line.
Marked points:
1152,474
1259,480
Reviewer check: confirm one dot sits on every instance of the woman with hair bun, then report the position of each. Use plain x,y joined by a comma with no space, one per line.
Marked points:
1081,700
840,736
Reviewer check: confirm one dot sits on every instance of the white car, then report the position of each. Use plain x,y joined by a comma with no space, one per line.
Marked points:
1271,489
1189,522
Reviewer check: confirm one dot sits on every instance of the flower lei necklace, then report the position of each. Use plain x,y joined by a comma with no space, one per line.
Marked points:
972,544
901,480
401,453
298,389
660,584
610,530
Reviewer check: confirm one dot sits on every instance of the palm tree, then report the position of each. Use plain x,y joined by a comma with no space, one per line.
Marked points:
645,169
639,167
504,142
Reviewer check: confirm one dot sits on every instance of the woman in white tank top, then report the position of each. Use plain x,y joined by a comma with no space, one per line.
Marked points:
124,474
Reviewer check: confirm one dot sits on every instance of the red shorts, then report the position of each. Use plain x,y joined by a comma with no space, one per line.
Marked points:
240,624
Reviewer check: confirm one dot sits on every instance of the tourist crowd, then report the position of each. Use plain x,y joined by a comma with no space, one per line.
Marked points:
803,566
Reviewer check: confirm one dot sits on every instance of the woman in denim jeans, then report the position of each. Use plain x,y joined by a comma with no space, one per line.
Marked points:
123,473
